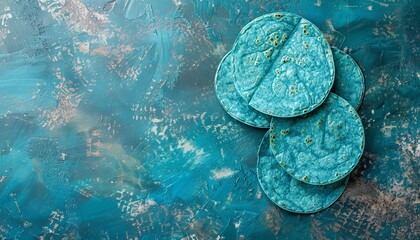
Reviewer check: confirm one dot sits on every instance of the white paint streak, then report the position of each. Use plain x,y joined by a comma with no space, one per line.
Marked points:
177,2
77,16
220,50
387,130
222,173
139,207
156,120
154,130
185,145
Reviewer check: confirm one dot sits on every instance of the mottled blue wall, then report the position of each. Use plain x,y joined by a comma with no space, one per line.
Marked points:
110,127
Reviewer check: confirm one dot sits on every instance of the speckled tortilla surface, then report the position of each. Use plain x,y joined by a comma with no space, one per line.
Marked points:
283,66
349,82
289,193
321,147
230,99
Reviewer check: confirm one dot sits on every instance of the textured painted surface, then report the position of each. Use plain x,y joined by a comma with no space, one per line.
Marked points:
110,126
231,100
322,146
349,82
283,66
289,193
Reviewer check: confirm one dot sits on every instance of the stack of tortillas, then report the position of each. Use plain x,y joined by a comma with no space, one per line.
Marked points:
279,75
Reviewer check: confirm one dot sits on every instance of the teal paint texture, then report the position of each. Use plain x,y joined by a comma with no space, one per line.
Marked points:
110,126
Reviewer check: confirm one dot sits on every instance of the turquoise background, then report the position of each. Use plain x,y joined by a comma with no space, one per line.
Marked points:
110,127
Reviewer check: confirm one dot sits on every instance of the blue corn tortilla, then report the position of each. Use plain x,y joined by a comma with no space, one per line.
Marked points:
230,99
321,147
349,82
288,193
283,66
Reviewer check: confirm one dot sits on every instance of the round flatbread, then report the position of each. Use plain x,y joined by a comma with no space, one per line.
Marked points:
349,82
321,147
289,193
230,99
283,66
